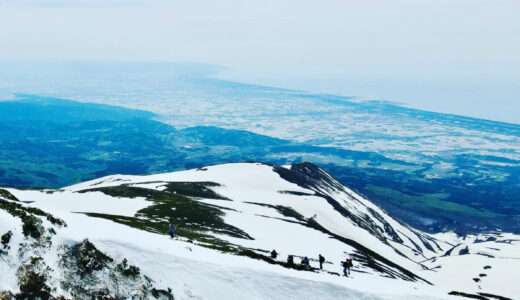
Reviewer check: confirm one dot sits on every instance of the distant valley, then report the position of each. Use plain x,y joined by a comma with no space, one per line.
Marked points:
48,142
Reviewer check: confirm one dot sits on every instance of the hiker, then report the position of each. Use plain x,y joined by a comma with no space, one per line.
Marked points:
349,263
290,260
172,230
322,260
345,267
305,261
274,254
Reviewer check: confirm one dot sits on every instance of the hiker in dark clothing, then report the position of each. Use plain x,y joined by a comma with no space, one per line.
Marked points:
345,267
290,260
349,263
305,261
172,230
322,260
274,254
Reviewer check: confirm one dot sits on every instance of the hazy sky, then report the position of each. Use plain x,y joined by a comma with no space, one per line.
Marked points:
456,56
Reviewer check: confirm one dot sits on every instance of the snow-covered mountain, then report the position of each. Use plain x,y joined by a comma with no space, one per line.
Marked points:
108,237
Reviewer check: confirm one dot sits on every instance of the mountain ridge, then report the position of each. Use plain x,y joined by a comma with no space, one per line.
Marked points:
245,210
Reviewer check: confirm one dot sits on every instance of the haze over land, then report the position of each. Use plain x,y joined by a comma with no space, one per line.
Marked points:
437,172
456,56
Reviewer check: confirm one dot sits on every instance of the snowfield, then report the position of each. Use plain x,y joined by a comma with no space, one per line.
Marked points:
298,210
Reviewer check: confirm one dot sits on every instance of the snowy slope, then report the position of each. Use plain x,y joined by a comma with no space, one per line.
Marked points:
353,218
249,209
486,263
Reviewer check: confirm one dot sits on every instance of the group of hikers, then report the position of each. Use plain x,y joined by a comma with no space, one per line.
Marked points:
347,264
